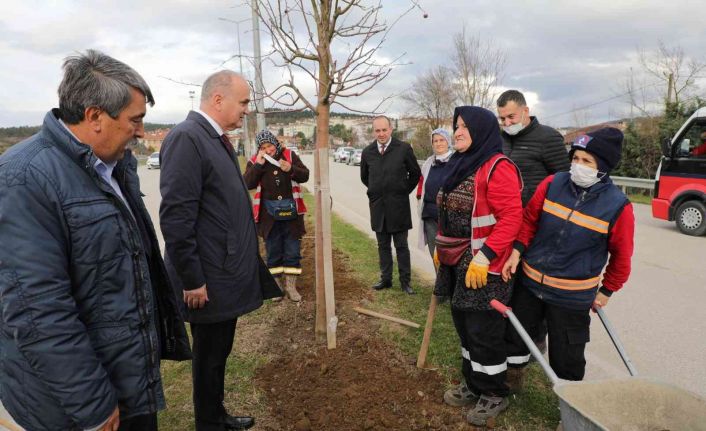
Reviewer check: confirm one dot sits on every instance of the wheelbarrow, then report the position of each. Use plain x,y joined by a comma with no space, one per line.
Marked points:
626,404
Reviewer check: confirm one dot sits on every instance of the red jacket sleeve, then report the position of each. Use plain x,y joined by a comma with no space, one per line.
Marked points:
505,202
620,246
531,215
419,186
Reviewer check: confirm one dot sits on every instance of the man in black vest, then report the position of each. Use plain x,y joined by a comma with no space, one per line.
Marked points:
390,171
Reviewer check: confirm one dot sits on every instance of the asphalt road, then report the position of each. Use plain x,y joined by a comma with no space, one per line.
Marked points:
659,314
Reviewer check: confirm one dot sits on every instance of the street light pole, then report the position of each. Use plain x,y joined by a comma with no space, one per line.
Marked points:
259,91
191,96
245,129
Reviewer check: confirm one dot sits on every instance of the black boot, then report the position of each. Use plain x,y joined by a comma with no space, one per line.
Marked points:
406,288
239,422
382,284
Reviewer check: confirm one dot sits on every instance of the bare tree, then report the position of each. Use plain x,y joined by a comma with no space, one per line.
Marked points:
432,96
665,76
669,65
334,44
478,69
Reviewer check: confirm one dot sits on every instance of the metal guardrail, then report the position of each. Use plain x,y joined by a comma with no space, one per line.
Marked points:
622,182
637,183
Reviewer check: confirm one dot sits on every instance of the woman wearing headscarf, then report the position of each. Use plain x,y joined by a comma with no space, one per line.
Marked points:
278,207
480,212
433,174
574,221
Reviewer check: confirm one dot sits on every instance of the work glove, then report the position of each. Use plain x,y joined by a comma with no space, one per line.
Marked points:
477,274
436,260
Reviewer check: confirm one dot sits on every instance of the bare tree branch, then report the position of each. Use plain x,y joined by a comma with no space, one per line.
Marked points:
180,82
478,68
432,96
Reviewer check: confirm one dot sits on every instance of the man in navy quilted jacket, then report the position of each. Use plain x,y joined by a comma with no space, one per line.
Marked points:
87,308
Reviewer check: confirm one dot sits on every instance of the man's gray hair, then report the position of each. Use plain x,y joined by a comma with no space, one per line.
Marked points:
95,79
389,122
217,81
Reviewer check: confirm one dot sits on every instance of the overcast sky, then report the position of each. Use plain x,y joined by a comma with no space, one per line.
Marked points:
563,54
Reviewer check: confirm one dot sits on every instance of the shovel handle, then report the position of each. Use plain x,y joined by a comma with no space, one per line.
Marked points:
616,341
507,312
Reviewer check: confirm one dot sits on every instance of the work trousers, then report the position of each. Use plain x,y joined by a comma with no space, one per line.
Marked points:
484,364
568,332
283,251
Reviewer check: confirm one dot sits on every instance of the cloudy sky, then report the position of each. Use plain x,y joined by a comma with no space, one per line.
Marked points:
565,55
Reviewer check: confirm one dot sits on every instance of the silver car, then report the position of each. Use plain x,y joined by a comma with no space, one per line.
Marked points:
153,161
354,159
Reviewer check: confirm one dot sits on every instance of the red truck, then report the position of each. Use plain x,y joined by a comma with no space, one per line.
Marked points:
680,183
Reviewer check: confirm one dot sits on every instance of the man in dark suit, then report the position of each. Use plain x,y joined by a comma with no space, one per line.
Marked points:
390,171
211,242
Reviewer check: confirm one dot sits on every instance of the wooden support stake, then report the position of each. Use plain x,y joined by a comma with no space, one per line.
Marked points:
422,357
386,317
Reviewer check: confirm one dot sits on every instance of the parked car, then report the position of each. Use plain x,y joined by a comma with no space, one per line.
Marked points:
680,182
339,152
153,161
354,159
346,155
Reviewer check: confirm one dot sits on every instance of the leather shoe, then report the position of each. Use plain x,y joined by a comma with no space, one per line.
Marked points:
239,422
382,284
406,288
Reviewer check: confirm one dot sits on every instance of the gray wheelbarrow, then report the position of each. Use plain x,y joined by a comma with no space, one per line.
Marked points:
627,404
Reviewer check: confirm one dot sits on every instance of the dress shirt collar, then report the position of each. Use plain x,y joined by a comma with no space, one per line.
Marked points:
387,144
211,121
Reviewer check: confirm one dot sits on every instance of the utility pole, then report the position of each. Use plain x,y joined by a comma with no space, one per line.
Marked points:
670,85
245,130
191,96
259,90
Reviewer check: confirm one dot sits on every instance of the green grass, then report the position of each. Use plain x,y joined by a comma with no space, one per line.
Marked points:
639,198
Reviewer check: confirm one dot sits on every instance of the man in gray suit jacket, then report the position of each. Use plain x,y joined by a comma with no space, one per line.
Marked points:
211,242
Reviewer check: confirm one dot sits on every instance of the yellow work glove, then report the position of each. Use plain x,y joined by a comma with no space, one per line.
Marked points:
436,260
477,274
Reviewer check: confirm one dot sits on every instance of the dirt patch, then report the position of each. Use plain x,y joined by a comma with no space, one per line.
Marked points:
364,384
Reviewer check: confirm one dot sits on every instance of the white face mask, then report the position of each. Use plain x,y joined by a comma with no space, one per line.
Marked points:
584,176
514,129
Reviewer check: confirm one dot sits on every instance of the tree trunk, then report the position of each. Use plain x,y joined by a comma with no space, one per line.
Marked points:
326,320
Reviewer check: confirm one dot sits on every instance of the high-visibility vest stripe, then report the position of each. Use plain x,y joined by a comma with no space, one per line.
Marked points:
576,217
560,283
483,221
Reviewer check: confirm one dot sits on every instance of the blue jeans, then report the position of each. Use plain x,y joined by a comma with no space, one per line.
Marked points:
283,251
